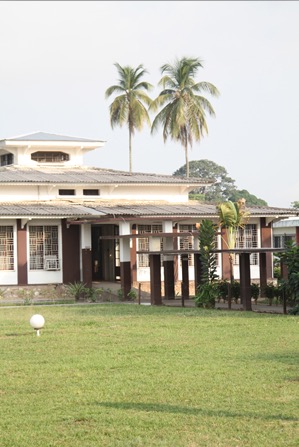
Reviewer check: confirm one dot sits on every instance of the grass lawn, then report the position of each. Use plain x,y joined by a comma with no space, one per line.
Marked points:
127,375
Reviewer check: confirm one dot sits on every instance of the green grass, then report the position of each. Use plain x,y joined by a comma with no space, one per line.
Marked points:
127,375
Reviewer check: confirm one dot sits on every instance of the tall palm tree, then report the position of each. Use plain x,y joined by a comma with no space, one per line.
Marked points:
183,116
233,217
128,107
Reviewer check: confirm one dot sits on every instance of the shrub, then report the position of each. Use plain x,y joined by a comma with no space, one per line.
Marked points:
78,290
236,290
206,295
255,291
223,289
270,292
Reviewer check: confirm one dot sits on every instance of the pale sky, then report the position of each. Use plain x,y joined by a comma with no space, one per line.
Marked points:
57,61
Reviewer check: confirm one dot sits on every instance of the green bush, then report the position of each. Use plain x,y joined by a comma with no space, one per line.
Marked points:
78,290
294,310
206,295
270,291
255,291
223,289
236,290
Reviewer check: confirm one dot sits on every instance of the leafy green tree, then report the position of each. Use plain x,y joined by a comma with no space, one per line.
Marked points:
295,204
250,198
183,113
207,169
224,187
128,107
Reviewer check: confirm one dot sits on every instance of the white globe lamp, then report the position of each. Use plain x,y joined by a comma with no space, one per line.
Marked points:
37,322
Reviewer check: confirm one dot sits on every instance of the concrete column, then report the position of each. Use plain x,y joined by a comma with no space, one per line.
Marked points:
155,270
155,279
245,280
266,241
185,277
125,259
22,253
168,263
86,255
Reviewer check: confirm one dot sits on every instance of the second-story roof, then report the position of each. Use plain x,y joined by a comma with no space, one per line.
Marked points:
89,175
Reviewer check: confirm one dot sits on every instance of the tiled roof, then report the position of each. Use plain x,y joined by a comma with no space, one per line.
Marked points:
42,136
44,209
86,175
100,209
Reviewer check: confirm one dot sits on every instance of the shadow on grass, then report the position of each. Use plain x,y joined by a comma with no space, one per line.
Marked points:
166,408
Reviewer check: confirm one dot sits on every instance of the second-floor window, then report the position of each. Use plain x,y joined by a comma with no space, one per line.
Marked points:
50,157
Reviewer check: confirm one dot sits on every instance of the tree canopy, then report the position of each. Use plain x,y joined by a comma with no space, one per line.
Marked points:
224,187
182,106
128,107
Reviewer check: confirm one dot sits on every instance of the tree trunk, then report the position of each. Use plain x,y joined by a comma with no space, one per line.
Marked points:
130,151
231,267
187,160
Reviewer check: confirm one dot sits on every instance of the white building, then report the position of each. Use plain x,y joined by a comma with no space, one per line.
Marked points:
61,221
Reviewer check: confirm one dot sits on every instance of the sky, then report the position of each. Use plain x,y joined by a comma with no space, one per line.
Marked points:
57,60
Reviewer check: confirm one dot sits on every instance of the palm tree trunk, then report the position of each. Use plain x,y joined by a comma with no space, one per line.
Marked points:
187,160
231,267
130,151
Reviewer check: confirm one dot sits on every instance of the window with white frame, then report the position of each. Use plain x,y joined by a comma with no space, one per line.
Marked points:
6,247
143,243
186,242
281,240
43,247
247,238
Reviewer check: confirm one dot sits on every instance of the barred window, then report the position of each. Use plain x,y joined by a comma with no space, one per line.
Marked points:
247,238
50,157
43,247
143,243
186,242
6,247
281,240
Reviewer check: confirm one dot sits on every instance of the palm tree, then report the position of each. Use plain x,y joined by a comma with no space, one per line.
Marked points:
233,216
128,107
183,116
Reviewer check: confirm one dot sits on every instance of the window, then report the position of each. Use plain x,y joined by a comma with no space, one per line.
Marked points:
91,192
6,159
281,240
247,238
67,192
6,248
50,157
186,242
143,243
43,247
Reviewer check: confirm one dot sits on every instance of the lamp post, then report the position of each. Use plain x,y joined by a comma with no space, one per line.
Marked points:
37,322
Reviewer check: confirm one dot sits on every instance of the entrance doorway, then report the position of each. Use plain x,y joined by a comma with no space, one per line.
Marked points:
105,253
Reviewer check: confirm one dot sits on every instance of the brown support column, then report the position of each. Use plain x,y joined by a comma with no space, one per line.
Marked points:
70,253
263,271
245,280
125,278
197,270
297,235
134,256
155,279
176,258
185,277
266,241
87,267
169,292
22,254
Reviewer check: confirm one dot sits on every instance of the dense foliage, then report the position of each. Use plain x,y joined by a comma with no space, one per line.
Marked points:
224,187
